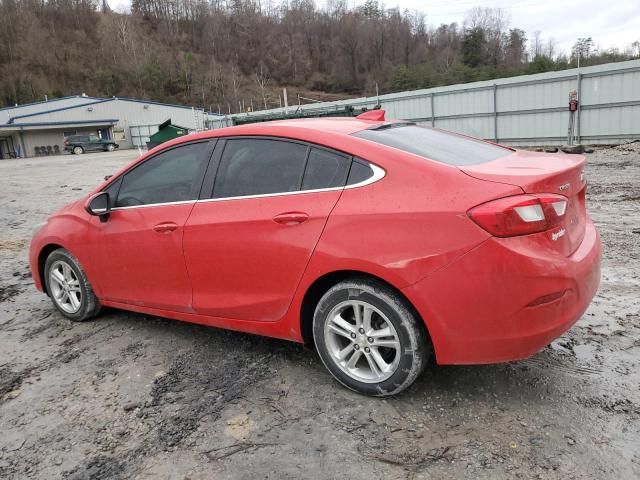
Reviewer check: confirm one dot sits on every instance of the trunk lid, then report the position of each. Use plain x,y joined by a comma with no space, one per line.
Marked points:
535,173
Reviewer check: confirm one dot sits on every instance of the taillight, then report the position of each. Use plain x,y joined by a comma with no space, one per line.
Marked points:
520,214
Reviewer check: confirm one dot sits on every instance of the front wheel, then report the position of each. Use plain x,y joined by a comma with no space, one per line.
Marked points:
69,287
370,338
111,147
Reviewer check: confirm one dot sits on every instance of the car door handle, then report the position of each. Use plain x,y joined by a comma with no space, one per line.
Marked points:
290,218
165,227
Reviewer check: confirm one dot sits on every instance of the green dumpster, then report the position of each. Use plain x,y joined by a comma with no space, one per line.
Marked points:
166,131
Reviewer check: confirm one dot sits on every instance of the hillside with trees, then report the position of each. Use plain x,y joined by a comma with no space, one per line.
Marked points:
226,55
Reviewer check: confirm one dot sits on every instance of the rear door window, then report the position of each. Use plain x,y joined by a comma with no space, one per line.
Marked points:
360,171
325,169
251,166
435,144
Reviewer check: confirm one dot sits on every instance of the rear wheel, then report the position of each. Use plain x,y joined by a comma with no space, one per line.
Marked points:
78,150
369,338
68,286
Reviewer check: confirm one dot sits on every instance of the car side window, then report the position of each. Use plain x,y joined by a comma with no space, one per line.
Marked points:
112,190
360,171
171,176
252,166
325,170
93,138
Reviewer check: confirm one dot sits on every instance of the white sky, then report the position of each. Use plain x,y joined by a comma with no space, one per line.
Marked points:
611,23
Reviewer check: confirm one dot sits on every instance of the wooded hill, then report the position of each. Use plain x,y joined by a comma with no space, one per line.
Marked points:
222,55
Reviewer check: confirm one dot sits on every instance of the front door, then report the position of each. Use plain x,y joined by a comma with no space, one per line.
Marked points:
94,143
139,247
247,248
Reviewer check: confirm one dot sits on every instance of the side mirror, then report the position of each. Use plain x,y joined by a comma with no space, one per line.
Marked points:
98,205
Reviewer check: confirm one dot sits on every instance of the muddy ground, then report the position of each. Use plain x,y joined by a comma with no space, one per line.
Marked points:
130,396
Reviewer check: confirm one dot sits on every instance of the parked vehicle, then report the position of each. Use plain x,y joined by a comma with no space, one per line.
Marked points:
79,144
382,242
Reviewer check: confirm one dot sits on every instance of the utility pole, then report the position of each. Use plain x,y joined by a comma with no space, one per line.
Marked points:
286,101
573,108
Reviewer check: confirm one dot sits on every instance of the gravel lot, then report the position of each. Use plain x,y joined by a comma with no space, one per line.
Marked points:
131,396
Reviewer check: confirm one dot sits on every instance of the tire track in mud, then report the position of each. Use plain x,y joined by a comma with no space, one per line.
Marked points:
198,386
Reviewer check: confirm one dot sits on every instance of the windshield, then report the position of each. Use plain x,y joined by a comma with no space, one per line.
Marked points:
434,144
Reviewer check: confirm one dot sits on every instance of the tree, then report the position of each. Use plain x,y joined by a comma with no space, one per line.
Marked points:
581,49
474,47
515,54
262,78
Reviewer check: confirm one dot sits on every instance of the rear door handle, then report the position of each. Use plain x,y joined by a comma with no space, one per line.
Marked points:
165,227
291,218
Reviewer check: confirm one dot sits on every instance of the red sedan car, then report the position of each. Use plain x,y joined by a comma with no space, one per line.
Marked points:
381,241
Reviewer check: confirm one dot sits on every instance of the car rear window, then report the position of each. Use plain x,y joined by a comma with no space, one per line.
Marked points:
434,144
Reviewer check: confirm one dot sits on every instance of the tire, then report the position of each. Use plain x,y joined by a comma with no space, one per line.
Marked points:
86,304
78,150
405,350
111,147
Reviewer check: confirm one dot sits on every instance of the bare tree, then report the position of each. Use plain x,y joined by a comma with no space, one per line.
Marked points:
262,78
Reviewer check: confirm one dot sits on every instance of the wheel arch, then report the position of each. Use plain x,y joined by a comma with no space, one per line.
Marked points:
322,284
42,259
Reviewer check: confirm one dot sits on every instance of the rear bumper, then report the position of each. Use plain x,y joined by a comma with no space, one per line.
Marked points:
506,299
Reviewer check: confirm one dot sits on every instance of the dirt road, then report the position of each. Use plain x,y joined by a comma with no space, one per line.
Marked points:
129,396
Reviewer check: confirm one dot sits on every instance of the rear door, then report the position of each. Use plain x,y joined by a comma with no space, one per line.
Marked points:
247,245
82,141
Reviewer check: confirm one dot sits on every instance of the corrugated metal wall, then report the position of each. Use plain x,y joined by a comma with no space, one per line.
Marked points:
524,110
9,112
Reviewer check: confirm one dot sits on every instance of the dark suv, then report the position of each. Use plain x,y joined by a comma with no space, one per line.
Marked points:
85,143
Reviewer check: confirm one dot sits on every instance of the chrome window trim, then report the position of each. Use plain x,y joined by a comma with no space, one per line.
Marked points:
378,174
181,202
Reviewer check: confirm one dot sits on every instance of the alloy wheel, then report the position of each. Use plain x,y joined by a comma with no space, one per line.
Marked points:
65,287
362,341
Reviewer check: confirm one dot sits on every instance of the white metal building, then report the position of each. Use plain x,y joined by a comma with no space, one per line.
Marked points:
523,110
41,127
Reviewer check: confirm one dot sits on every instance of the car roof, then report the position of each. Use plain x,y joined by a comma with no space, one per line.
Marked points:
344,125
340,125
